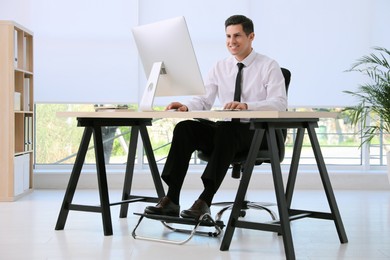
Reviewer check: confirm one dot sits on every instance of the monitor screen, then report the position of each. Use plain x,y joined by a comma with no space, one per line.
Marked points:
169,60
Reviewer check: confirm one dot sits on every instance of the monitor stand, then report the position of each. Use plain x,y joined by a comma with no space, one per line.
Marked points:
146,103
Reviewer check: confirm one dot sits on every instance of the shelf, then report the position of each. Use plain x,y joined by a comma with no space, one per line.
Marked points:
16,110
24,112
25,152
24,71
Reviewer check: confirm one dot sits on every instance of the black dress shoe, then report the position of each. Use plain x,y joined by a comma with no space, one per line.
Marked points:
164,207
197,209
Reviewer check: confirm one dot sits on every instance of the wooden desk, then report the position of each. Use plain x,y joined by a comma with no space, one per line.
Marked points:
198,114
264,122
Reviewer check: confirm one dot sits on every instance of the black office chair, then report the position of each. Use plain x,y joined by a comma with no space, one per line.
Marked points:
262,156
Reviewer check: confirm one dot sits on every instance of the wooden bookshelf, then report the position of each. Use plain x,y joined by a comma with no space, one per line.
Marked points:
16,110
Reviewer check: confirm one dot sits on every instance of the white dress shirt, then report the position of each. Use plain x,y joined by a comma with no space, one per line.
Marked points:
262,87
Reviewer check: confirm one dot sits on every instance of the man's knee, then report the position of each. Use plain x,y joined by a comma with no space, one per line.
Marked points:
185,126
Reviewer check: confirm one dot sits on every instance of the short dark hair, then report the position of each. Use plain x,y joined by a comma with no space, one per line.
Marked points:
247,24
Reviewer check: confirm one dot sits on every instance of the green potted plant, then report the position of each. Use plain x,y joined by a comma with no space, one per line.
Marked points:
373,97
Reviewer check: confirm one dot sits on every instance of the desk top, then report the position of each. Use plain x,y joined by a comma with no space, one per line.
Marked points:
198,114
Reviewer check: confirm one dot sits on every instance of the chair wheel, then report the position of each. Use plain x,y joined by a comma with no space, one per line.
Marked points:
242,213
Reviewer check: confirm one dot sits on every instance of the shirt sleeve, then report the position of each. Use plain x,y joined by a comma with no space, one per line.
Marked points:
276,97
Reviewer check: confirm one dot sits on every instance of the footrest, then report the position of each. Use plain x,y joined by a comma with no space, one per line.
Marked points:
205,220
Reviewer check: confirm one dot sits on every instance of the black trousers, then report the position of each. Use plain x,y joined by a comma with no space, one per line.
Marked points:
222,140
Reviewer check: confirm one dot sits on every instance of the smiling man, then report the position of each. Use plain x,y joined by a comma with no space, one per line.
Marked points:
245,80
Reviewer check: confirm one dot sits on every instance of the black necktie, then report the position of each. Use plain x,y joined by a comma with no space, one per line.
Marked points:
237,91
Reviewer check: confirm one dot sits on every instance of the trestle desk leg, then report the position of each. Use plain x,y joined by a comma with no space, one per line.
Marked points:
326,183
74,178
102,181
292,176
279,192
129,170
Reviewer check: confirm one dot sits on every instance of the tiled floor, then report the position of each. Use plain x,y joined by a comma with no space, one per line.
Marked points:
27,230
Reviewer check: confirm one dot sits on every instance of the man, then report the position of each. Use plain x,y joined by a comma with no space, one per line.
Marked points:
262,88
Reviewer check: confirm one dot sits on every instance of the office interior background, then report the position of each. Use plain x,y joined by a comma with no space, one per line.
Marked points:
84,54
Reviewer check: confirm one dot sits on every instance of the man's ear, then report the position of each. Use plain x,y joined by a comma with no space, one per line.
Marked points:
252,36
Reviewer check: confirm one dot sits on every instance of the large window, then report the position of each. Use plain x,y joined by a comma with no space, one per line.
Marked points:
57,141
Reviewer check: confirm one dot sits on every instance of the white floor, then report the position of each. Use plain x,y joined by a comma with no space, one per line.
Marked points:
27,230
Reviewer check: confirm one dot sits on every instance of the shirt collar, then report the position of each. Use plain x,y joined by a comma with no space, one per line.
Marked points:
248,60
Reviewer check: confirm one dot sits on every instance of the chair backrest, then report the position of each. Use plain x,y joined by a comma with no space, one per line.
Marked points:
287,77
281,141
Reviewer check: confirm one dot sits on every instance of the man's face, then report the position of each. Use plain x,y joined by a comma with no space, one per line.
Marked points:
237,42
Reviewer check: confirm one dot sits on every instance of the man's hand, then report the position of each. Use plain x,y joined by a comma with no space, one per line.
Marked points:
177,106
236,105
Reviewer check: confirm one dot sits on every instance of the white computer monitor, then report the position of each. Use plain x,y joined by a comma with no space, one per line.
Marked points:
167,54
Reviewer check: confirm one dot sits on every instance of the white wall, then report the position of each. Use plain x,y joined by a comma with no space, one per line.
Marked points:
84,51
83,46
